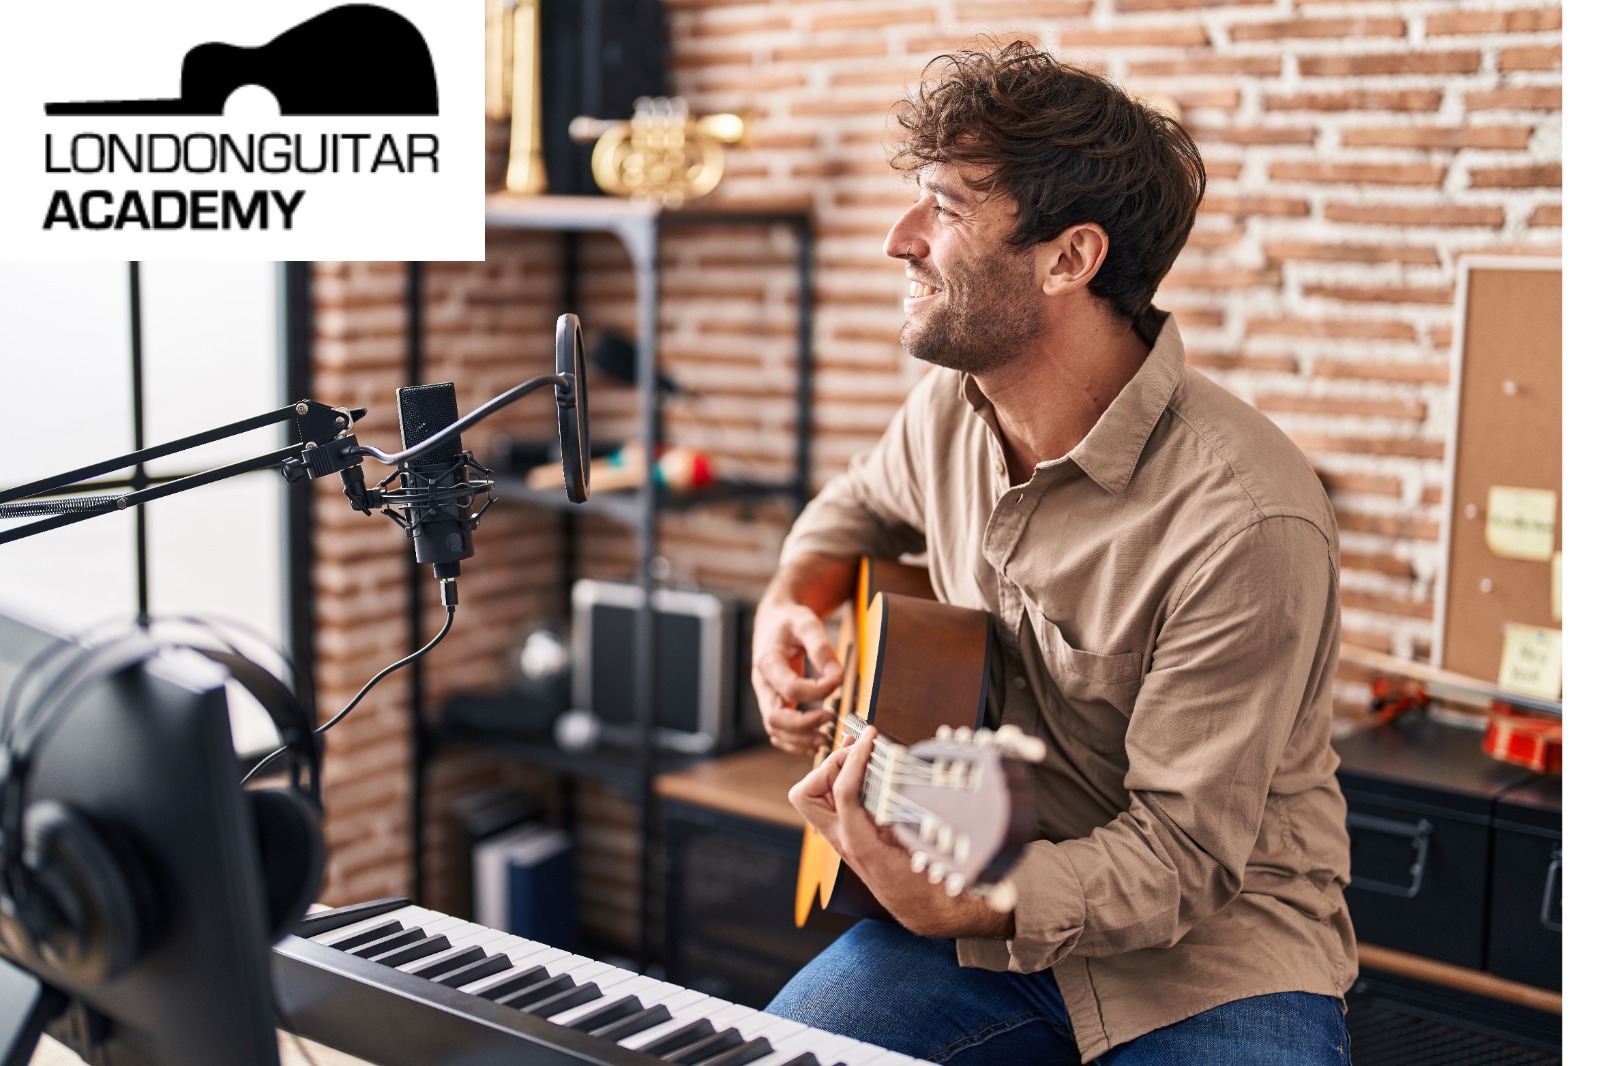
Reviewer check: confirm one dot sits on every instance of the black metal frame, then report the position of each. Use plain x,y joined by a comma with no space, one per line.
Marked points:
639,230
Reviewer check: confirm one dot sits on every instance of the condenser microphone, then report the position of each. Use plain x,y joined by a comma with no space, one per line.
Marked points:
436,494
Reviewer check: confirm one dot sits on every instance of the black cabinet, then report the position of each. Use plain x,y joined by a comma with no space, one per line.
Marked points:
730,905
1422,799
1525,885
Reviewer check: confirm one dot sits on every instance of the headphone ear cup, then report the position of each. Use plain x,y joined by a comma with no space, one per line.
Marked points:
292,857
85,917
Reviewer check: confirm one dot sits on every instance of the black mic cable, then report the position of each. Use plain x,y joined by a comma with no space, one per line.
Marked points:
448,589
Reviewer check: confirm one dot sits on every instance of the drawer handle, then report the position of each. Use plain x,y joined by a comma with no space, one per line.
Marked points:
1551,900
1417,833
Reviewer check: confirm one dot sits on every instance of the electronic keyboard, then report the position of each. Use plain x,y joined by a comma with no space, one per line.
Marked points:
401,985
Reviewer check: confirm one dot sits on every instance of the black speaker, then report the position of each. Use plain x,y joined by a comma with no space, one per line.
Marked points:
596,57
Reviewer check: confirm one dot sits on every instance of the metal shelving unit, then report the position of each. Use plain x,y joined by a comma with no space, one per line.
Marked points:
639,226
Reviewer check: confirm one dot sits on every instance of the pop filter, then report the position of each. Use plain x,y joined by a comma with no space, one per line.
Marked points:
572,407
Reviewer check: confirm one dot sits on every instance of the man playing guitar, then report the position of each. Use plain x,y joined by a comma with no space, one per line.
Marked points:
1161,567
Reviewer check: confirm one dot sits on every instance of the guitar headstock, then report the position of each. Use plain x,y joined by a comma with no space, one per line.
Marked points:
966,808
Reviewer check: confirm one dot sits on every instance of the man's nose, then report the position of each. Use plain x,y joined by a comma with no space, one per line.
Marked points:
903,241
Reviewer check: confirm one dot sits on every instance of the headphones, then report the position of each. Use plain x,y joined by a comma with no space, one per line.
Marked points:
80,901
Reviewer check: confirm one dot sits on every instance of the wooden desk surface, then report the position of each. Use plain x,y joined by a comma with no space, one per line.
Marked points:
291,1052
752,784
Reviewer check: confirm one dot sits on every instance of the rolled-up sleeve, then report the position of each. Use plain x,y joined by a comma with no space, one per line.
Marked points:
875,507
1236,665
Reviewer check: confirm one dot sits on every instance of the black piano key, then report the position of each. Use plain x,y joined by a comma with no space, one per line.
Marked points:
325,921
389,943
638,1023
453,961
535,993
626,1007
694,1031
805,1058
420,949
531,976
748,1052
355,940
706,1047
475,971
587,992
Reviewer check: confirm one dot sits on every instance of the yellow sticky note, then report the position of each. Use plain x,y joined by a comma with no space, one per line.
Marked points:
1531,661
1555,586
1522,522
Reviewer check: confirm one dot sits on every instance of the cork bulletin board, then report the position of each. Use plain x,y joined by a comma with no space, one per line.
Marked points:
1502,527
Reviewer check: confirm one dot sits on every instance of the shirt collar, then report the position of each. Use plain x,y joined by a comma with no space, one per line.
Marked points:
1111,450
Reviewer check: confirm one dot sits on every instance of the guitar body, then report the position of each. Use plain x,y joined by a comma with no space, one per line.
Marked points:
911,665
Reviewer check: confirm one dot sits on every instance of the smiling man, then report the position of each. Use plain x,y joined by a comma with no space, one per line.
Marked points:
1161,567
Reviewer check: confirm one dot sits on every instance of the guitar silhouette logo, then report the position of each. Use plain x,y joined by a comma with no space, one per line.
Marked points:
356,59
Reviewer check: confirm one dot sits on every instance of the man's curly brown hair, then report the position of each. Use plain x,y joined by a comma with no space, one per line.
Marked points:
1069,147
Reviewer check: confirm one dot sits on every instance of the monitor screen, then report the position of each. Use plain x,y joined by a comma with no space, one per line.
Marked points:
146,757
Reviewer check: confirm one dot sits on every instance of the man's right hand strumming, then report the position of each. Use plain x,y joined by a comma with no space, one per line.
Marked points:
789,634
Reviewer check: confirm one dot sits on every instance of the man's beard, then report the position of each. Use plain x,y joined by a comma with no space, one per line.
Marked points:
982,319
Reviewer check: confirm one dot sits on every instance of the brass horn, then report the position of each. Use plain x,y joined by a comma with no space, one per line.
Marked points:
661,153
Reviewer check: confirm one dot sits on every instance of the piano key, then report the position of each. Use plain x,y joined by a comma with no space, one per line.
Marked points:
583,994
594,1016
718,1013
333,918
476,971
377,931
453,957
682,1005
689,1032
537,992
509,983
407,915
648,1018
412,952
388,943
750,1051
707,1047
612,991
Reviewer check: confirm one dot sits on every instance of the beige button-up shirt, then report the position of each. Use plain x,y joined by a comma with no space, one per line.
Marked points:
1166,601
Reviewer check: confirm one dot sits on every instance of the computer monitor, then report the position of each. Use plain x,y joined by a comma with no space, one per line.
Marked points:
148,759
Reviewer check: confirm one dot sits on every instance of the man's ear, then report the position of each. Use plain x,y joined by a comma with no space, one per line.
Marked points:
1074,257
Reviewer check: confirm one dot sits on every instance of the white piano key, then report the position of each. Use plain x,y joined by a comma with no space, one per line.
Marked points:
775,1028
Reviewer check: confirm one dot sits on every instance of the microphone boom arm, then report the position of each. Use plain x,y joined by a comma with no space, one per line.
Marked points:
326,445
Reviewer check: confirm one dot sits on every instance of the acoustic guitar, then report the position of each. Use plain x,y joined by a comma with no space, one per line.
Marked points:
959,797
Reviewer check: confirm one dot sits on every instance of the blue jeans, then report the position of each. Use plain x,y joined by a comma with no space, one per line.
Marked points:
883,985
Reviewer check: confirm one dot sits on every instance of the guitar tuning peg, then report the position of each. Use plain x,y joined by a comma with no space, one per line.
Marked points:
963,733
1006,732
919,861
1001,897
1030,749
943,732
954,884
984,738
937,872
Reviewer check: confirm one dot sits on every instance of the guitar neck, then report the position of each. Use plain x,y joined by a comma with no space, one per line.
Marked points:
891,764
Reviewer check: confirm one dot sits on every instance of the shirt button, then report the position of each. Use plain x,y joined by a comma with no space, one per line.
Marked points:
1019,683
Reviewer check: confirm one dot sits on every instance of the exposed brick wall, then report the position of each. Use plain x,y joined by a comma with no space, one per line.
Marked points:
1356,150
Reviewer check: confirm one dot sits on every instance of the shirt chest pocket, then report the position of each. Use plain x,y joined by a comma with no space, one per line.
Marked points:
1091,695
